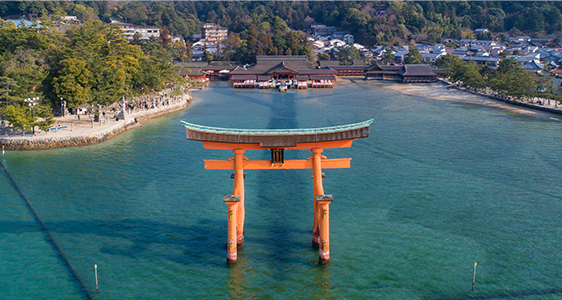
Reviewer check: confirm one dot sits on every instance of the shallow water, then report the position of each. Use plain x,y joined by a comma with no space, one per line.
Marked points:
437,186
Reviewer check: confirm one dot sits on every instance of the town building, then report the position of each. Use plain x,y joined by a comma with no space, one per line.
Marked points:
70,18
322,30
358,68
384,72
220,69
24,23
144,33
192,70
417,74
407,73
214,33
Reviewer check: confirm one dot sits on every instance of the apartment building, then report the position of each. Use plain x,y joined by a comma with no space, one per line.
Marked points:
214,33
129,31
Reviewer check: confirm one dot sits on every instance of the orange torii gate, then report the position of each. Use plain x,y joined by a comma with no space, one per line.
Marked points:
277,140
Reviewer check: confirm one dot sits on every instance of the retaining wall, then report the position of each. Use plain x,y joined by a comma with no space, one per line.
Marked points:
45,142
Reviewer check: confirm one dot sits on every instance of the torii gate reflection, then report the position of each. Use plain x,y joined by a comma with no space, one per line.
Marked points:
278,140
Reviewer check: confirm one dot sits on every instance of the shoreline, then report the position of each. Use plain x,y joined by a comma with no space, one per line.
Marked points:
75,132
443,90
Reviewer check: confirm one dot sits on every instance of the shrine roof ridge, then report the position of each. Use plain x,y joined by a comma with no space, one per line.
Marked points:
281,132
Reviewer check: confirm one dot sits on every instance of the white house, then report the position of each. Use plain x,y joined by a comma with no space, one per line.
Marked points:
336,42
431,57
129,31
70,18
348,38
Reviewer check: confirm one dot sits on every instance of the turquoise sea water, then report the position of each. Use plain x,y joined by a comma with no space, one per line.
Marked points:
437,186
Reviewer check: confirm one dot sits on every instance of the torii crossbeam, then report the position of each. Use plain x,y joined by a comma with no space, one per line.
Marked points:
278,140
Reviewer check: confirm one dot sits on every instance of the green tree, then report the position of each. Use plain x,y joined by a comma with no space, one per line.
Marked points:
510,79
44,113
346,54
109,82
19,117
73,82
449,62
26,68
207,56
7,88
508,66
325,56
471,76
388,55
413,56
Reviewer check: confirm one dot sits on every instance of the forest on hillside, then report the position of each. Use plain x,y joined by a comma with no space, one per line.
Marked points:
371,22
89,65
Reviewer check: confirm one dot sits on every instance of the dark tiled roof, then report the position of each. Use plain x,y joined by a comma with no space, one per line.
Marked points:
282,68
223,63
349,67
219,68
192,71
318,71
243,77
417,70
289,64
190,64
376,68
322,77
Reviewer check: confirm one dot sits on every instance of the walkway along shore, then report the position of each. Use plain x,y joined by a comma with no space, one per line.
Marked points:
71,131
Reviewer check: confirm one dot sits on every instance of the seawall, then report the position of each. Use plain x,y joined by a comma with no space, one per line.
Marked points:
49,142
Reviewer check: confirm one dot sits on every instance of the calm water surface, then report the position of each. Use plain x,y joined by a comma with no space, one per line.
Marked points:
437,186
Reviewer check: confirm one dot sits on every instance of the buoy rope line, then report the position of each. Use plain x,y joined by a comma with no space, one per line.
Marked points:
48,236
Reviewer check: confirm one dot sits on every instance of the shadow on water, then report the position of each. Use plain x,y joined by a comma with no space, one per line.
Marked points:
141,235
276,191
283,116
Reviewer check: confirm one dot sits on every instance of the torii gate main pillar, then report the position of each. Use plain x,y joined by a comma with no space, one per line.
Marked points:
232,247
318,190
239,191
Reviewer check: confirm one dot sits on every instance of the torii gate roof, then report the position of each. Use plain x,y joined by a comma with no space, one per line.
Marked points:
276,138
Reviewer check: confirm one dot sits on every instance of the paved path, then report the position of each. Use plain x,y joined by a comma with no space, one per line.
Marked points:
71,130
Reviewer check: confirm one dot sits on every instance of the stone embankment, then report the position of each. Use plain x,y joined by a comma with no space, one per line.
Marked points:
81,133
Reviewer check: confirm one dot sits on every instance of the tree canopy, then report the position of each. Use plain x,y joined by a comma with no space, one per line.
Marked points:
370,22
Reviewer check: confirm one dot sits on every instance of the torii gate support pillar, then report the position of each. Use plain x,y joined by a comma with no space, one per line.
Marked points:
231,246
323,202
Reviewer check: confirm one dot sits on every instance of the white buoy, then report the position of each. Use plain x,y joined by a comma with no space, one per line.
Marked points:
96,272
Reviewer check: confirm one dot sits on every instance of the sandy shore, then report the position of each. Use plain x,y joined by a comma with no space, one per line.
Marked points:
442,92
70,131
